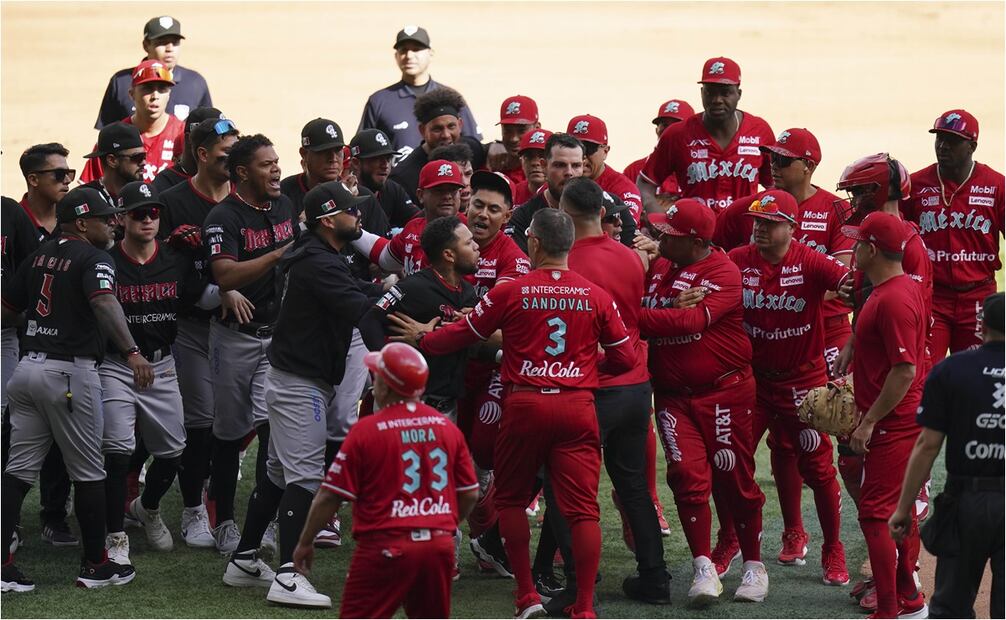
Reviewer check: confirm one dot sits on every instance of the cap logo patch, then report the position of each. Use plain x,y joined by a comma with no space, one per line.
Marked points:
537,137
115,145
672,106
581,127
716,68
444,170
166,22
328,206
121,202
330,130
381,139
513,108
305,141
82,209
145,190
410,30
672,211
953,116
783,137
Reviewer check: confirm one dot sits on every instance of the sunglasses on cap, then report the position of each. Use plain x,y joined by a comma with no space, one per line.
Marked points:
222,127
154,213
58,174
150,73
770,208
952,122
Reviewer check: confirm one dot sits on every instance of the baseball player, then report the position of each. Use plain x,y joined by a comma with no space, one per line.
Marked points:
185,167
66,291
410,478
461,154
307,356
890,334
784,283
593,133
245,235
372,153
958,205
391,109
163,133
162,40
153,283
532,161
714,156
518,115
552,321
670,112
704,393
122,154
321,155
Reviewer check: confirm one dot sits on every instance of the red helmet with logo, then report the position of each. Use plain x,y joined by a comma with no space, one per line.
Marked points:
883,178
402,367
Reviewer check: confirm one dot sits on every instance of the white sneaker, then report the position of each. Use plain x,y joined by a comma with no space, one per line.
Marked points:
330,535
117,545
291,588
754,583
246,570
227,536
158,534
706,587
142,478
270,540
196,528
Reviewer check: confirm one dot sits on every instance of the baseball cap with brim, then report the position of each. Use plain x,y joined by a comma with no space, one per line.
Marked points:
321,134
83,202
152,71
534,139
163,26
138,194
994,311
493,181
199,115
211,127
518,110
331,198
957,122
774,205
588,128
884,230
796,143
371,143
414,34
612,206
685,218
440,172
721,70
116,137
674,109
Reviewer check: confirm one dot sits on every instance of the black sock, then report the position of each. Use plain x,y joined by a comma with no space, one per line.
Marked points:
12,492
160,475
116,470
139,457
263,452
292,517
224,477
89,506
261,509
53,487
331,449
193,466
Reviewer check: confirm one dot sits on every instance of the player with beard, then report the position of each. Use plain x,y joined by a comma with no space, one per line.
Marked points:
321,155
372,154
185,167
461,154
532,161
121,152
593,133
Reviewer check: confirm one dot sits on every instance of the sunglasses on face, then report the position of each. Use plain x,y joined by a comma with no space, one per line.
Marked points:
780,161
589,148
154,213
58,174
136,158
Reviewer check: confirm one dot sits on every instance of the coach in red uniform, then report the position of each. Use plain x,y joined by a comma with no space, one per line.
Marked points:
704,393
784,283
958,203
715,156
410,478
552,321
890,355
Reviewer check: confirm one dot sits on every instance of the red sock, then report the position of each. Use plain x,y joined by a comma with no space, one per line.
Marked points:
828,499
516,537
883,560
789,484
851,469
586,538
723,513
651,462
908,556
749,536
697,523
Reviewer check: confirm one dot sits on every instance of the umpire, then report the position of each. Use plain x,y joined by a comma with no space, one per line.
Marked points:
963,401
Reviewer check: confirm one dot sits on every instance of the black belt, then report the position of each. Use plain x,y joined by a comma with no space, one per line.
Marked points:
780,375
965,287
440,403
259,330
975,483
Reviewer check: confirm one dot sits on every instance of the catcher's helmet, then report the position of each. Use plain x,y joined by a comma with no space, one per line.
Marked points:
883,177
403,368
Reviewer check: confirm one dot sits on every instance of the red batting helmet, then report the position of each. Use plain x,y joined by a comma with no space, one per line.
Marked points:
401,367
883,177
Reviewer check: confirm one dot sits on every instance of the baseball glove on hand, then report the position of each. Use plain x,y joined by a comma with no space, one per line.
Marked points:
830,408
186,237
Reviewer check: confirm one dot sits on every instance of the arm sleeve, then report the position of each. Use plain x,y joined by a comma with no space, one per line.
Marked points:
681,322
937,401
477,325
830,272
900,327
110,109
98,276
219,237
729,232
195,287
369,118
518,226
628,228
660,164
340,295
15,295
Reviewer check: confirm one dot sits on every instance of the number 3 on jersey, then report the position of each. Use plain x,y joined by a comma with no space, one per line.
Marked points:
413,476
557,336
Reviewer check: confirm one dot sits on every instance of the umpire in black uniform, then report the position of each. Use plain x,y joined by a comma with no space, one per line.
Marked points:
963,401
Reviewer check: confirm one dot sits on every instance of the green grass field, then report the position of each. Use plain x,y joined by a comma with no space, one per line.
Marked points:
187,583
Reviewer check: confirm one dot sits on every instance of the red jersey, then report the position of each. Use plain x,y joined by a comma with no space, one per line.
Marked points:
916,265
820,228
694,347
552,322
783,304
161,150
516,175
618,270
500,261
890,330
402,469
616,184
405,246
669,186
706,172
962,236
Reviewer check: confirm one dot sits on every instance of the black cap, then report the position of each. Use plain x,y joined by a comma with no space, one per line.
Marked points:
212,126
994,312
199,115
494,181
163,26
371,143
116,137
612,206
321,134
83,202
138,194
329,198
412,33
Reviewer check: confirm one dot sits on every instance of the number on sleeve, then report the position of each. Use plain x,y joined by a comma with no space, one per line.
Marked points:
558,336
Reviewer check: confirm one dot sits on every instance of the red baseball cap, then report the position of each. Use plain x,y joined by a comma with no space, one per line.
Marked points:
884,230
588,128
152,71
957,122
534,139
721,70
685,218
674,109
796,143
774,205
440,172
518,110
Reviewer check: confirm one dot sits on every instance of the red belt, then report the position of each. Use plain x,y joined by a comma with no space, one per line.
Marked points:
737,374
777,375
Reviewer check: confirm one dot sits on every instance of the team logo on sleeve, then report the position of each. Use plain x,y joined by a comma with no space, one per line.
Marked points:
581,127
392,297
716,68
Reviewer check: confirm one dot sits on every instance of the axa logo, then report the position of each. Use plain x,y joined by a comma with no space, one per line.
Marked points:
537,137
716,68
444,170
581,127
672,106
381,139
513,108
783,137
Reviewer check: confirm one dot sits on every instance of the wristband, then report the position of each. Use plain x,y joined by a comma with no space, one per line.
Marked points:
133,350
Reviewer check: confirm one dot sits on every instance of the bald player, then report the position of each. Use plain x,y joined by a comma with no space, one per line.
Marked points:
670,112
593,133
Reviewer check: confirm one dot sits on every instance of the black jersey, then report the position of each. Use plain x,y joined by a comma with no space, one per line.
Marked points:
395,201
424,296
54,286
152,294
169,177
184,204
20,238
521,217
295,188
238,231
373,220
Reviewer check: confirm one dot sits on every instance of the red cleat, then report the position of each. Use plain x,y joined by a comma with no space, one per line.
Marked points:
833,566
794,547
727,550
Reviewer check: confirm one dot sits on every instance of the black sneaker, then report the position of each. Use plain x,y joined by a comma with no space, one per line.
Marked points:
14,580
562,603
548,586
108,573
489,549
648,592
17,540
58,534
